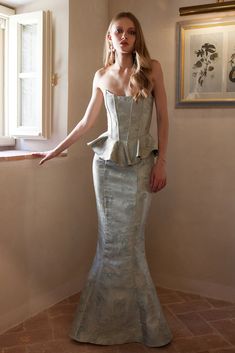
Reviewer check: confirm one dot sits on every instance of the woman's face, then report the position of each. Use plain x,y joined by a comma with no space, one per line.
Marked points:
123,35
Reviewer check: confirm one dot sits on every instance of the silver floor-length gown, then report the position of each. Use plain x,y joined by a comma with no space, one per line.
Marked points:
119,303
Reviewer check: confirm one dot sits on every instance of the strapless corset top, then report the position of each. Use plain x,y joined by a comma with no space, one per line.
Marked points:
127,139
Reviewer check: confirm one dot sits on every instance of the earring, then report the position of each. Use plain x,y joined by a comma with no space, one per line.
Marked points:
111,48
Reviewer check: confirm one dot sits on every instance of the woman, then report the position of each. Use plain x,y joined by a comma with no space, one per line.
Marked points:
119,303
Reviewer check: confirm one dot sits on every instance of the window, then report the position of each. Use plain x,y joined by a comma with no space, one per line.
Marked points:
2,27
25,75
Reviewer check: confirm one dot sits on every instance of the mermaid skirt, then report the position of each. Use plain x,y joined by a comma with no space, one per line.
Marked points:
119,303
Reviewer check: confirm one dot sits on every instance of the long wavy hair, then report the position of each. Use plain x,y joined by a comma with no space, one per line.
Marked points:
140,83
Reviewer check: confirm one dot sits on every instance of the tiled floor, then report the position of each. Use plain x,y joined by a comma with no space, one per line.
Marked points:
198,324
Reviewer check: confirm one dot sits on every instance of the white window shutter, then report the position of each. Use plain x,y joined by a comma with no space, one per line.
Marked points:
30,68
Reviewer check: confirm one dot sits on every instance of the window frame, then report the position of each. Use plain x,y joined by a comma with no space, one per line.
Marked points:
11,130
5,139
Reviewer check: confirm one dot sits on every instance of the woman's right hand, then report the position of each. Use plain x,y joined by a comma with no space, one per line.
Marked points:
46,155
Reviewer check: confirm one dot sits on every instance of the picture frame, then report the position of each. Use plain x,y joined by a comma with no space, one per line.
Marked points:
206,63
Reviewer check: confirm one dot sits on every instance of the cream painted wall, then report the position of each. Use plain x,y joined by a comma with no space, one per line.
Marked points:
190,238
48,215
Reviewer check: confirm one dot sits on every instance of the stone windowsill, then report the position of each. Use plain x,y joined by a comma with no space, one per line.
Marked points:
14,155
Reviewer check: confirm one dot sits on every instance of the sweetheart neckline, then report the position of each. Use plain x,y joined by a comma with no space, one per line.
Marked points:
119,96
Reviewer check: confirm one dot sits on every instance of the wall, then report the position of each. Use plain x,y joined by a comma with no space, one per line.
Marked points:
190,236
48,216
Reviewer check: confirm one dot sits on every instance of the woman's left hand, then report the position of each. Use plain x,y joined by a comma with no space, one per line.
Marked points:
158,176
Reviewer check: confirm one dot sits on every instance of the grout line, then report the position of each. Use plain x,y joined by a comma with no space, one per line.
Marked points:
52,329
181,323
225,318
219,333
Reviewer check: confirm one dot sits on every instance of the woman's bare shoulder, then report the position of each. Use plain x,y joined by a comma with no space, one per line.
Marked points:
101,72
102,78
156,66
156,73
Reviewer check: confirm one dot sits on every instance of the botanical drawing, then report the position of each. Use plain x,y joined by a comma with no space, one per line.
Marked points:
206,55
232,72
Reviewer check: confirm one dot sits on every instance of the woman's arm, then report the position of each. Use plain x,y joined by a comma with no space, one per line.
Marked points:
88,120
158,174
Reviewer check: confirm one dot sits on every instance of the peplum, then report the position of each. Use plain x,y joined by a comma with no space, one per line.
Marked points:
119,303
127,139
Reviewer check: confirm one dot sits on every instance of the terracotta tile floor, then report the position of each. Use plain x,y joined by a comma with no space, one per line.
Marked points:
198,324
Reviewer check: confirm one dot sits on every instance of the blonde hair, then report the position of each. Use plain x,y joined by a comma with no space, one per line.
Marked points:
140,82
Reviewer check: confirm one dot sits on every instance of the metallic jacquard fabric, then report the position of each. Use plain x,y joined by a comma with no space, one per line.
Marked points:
127,138
119,303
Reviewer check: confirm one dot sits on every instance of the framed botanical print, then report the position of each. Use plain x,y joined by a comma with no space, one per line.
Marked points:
206,63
